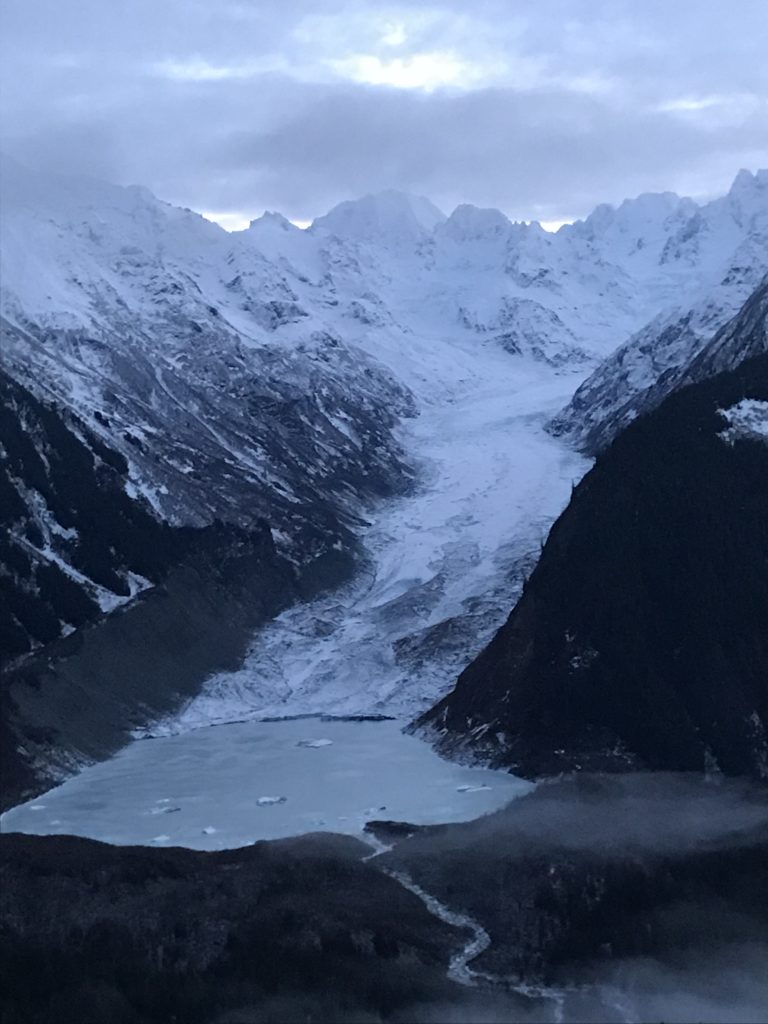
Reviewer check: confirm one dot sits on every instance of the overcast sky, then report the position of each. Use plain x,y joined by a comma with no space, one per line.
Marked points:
542,108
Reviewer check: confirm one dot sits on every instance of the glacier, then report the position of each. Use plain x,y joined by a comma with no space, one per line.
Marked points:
443,564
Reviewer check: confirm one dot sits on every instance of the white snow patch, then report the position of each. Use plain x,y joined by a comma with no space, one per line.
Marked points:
748,419
137,488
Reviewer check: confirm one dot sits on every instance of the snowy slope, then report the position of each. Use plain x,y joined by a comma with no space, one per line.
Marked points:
654,360
154,326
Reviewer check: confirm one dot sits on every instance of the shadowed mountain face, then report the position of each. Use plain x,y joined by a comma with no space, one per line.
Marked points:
641,639
109,615
73,544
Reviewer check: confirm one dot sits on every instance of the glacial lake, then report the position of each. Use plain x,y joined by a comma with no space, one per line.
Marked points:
221,787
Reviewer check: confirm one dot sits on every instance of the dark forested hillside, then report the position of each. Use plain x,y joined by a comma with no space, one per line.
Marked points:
599,868
645,882
295,930
641,639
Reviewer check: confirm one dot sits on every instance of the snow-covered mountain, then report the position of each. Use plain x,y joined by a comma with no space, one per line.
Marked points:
146,321
274,375
287,472
391,219
654,361
114,294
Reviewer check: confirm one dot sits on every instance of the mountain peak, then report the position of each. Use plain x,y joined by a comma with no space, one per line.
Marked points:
635,215
388,216
656,206
469,221
747,200
271,219
746,182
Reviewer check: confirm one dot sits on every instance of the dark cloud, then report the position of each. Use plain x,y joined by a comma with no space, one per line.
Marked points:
542,109
539,153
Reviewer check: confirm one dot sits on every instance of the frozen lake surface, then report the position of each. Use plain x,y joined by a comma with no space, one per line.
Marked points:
230,785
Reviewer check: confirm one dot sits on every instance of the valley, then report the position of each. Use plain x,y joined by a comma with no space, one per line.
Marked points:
442,564
442,567
373,610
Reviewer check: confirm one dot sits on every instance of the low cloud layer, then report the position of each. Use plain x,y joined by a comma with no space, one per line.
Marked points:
542,109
